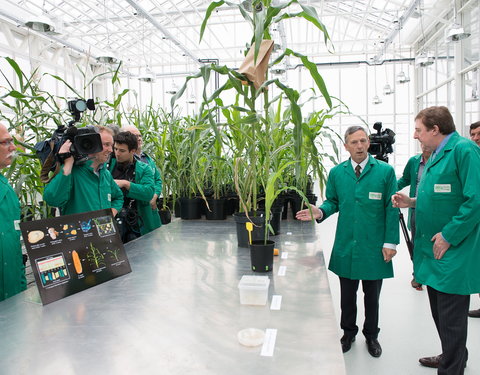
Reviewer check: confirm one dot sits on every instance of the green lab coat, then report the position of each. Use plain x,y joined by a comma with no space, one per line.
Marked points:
142,191
366,219
448,201
83,190
157,177
12,270
409,177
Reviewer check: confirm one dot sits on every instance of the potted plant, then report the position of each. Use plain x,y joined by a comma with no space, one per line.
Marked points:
251,123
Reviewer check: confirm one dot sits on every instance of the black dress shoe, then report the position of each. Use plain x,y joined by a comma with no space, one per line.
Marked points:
374,348
433,362
346,342
474,313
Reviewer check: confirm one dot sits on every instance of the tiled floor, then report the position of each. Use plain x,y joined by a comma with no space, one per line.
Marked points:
407,328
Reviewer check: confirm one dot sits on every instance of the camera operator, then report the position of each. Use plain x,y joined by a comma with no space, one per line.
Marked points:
136,181
144,158
85,187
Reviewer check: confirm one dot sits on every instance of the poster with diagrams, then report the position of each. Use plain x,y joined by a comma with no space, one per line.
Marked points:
71,253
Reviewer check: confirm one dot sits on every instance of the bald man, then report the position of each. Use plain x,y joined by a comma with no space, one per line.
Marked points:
12,270
144,158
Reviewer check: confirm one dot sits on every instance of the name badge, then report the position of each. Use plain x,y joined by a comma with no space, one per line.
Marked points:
376,196
109,197
442,188
16,224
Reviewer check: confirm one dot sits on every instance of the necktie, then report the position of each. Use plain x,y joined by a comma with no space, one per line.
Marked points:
358,170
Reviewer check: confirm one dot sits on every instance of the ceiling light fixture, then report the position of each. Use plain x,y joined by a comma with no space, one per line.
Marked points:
107,56
387,90
402,78
42,23
173,89
424,59
376,99
146,75
455,31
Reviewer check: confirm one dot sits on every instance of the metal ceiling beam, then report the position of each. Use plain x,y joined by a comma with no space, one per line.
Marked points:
391,37
163,30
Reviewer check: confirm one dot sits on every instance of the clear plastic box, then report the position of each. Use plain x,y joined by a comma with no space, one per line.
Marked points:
253,290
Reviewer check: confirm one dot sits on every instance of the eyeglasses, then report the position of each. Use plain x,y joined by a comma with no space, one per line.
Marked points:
7,143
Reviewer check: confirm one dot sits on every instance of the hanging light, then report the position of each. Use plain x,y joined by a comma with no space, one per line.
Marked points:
146,75
42,23
173,89
192,99
424,59
376,100
387,90
402,78
455,31
278,70
107,56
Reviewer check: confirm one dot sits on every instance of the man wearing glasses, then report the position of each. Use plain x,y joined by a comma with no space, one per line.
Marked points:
12,270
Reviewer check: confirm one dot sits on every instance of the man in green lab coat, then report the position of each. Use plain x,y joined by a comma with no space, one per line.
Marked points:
86,187
12,270
411,177
144,158
475,136
136,181
367,233
447,239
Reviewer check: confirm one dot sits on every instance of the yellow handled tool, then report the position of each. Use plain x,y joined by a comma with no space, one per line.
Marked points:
249,227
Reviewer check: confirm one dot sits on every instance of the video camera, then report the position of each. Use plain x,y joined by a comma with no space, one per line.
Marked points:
381,142
85,140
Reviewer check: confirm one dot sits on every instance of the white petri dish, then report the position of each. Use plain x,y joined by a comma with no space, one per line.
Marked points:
251,337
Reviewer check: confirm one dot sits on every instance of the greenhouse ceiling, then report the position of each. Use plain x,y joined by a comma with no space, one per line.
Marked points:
164,35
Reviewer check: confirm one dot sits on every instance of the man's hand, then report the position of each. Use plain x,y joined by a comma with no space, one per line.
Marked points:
388,254
114,212
304,215
68,162
440,246
401,200
153,202
123,184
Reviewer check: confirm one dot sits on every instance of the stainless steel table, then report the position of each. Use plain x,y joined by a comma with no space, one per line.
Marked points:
179,312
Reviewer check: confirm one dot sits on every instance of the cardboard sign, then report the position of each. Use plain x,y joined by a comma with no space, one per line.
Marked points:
72,253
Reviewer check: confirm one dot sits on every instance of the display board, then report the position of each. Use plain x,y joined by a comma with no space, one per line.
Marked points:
72,253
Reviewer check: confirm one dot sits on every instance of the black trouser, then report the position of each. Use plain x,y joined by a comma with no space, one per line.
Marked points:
449,311
348,303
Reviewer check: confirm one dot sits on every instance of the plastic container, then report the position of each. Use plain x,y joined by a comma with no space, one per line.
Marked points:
253,290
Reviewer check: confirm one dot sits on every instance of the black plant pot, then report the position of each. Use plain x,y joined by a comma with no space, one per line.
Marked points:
231,206
177,211
165,216
217,209
296,203
276,216
258,232
261,255
190,208
312,198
